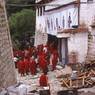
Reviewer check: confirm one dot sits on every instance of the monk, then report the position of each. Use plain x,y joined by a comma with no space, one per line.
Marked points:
43,62
21,67
43,81
32,65
26,62
54,59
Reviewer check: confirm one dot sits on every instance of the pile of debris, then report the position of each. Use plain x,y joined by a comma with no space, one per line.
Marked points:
83,77
90,65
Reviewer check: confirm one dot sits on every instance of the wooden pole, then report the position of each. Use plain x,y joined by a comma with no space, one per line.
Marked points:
78,1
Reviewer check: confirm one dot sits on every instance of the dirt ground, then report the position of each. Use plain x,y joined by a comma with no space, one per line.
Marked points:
33,82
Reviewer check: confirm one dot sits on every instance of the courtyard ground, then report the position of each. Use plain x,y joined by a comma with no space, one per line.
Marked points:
32,82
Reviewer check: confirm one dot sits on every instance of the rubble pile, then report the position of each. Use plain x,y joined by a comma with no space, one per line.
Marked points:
90,65
82,77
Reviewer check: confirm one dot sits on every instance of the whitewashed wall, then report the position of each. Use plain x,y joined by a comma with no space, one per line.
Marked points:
87,12
40,34
65,12
79,43
40,24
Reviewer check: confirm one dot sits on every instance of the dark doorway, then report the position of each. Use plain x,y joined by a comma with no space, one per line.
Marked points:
53,40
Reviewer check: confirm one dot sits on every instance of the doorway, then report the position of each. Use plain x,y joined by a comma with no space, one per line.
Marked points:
63,50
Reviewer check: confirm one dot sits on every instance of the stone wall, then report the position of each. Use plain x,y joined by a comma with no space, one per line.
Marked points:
91,47
87,15
7,69
40,38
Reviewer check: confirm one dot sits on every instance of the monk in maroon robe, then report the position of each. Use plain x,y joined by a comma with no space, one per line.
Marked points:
26,62
43,81
21,67
43,62
32,66
54,59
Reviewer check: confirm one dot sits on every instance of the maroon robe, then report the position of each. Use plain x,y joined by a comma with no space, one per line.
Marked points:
42,62
21,67
43,80
32,66
54,59
26,62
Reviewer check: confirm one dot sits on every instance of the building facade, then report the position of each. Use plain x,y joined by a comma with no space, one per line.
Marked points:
87,15
7,68
68,23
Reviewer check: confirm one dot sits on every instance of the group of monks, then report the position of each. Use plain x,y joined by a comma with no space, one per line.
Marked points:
32,58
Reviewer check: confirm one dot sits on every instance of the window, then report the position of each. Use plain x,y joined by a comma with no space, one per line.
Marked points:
38,11
57,22
63,22
51,24
69,20
48,24
41,11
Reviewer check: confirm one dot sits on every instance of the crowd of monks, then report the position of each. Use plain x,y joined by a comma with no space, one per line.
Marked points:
32,58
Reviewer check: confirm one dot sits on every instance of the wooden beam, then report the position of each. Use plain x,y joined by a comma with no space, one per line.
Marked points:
78,1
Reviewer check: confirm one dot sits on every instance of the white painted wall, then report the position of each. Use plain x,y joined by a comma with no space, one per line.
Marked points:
65,12
79,43
41,21
87,12
40,24
40,34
